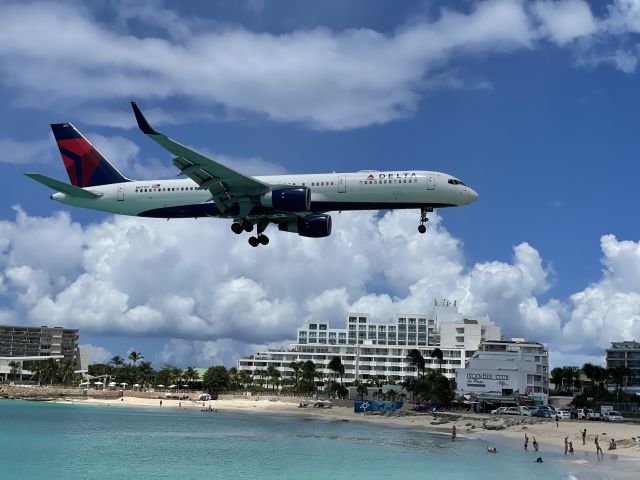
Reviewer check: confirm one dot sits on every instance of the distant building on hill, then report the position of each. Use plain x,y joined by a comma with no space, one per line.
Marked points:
507,369
626,354
25,344
378,350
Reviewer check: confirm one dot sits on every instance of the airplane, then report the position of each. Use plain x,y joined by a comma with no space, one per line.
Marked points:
295,203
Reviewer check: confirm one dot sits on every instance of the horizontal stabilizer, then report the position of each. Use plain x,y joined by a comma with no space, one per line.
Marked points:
62,187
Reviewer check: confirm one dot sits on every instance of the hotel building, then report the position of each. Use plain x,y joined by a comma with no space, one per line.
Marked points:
506,368
26,344
379,349
626,354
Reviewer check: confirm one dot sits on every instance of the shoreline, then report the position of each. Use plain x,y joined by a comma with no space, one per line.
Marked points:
502,430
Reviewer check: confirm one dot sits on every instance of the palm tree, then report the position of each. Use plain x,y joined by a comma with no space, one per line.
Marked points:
417,360
177,375
190,374
67,372
144,372
589,371
437,353
336,365
15,367
37,371
51,368
297,368
117,361
273,373
135,357
245,379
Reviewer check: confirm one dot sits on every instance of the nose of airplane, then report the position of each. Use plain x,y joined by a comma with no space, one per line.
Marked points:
472,196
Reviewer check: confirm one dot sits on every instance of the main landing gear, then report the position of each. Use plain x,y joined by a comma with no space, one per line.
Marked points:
424,219
238,227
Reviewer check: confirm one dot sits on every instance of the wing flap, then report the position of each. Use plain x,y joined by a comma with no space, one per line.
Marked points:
62,187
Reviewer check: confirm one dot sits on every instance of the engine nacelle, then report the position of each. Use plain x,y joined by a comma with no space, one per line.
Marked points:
293,199
315,226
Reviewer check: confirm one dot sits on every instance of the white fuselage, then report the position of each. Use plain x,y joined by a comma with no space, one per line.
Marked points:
365,190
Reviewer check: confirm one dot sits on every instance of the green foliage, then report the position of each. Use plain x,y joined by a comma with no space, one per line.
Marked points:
216,379
335,365
335,389
439,355
417,360
432,386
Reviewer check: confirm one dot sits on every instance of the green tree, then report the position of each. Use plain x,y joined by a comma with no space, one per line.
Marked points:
165,375
190,374
37,371
135,357
67,372
437,353
117,361
361,389
297,368
216,380
244,379
309,375
50,371
145,372
15,367
337,367
556,377
417,360
273,374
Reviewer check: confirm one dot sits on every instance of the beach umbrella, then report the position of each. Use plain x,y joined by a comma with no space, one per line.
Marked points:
136,385
112,384
97,383
172,386
160,386
124,383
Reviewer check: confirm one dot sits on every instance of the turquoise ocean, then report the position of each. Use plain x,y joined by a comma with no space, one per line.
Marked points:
65,441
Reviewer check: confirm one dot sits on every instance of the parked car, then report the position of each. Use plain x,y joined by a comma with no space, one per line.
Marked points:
511,411
582,413
594,415
612,416
498,411
524,410
564,414
544,411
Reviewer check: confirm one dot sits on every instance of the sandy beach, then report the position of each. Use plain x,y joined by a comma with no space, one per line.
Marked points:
500,429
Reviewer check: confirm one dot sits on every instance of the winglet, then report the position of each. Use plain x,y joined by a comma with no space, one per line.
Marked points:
142,122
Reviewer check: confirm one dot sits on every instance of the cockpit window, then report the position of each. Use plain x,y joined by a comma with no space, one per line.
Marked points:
453,181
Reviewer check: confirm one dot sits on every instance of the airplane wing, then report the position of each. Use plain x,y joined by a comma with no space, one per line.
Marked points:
226,185
62,187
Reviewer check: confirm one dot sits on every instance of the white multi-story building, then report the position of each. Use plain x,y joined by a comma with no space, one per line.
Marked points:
507,368
379,349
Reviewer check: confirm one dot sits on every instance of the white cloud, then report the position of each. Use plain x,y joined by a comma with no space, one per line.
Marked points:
21,152
324,78
97,354
140,277
564,21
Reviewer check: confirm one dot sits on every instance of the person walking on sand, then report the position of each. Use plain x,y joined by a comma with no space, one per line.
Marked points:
584,435
557,420
571,447
566,444
453,433
535,444
598,449
526,442
161,402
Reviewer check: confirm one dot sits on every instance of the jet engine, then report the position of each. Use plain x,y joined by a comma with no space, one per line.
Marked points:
315,226
293,199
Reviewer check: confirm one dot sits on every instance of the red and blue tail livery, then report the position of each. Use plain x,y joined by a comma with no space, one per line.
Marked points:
85,165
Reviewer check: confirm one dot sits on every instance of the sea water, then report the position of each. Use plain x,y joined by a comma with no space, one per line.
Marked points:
65,441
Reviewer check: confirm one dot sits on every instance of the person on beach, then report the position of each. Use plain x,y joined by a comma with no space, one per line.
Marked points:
570,447
557,420
492,450
566,444
535,444
584,435
453,433
160,402
526,442
598,449
539,460
612,445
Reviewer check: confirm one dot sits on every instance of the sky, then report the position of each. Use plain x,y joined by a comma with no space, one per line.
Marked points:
532,104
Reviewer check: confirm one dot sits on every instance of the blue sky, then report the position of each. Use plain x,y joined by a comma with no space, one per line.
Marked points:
530,103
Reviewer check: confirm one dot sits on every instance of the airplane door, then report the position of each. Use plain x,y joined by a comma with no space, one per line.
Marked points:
431,182
120,196
342,184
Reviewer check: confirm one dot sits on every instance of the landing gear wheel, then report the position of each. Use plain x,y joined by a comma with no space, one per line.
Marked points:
236,228
263,239
247,226
422,228
253,241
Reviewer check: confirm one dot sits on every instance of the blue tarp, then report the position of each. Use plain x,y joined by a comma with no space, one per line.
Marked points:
360,406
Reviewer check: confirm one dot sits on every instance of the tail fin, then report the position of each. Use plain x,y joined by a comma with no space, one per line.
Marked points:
85,165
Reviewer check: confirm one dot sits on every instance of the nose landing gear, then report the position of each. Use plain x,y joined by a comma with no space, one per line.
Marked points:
424,219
